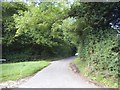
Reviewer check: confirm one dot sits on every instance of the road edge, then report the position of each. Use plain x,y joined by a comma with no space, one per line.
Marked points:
75,69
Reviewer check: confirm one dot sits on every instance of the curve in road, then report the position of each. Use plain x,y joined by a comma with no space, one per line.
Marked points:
57,75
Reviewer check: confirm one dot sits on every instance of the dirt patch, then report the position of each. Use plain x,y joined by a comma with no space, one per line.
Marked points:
14,84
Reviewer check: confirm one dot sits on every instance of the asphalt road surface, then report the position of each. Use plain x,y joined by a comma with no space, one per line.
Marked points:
57,75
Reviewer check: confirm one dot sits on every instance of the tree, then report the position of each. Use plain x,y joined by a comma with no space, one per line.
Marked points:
36,30
8,24
96,38
37,22
98,15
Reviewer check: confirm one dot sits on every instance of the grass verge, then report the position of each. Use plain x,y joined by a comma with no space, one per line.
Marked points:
15,71
82,67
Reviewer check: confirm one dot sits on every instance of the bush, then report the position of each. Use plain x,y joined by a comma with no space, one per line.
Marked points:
100,50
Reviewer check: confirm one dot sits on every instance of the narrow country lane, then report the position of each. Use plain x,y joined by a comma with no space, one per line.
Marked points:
57,75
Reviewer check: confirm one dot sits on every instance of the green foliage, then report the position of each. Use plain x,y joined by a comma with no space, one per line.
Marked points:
8,24
81,65
98,44
50,29
31,32
97,15
98,52
37,23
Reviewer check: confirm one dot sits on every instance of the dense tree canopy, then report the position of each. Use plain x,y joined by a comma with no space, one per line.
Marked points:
38,28
98,43
98,15
53,29
8,24
39,22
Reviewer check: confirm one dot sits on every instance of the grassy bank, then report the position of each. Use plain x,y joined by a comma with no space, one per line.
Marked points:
15,71
83,68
